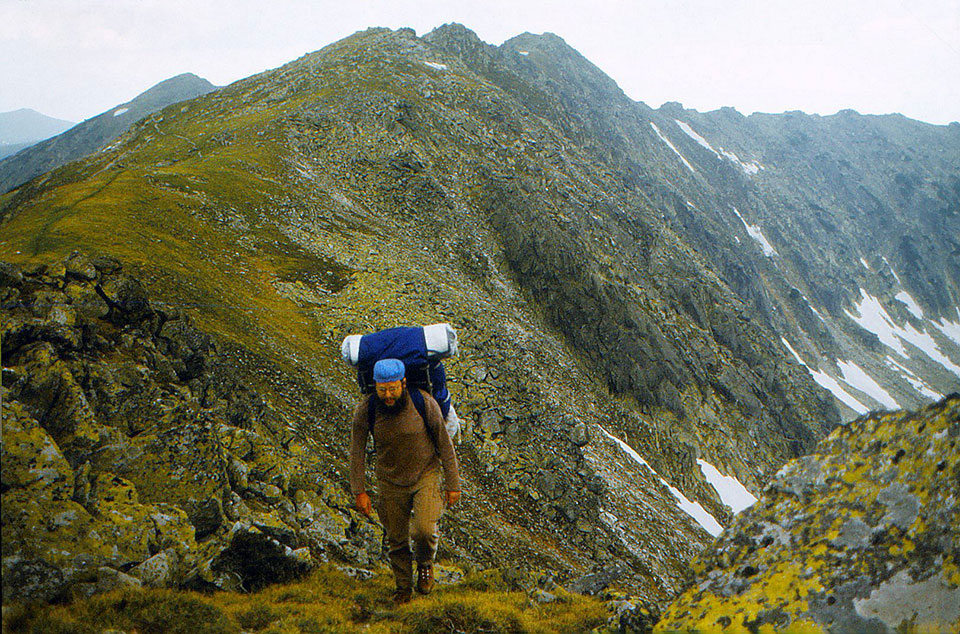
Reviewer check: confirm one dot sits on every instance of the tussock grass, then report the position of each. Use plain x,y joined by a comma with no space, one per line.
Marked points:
326,601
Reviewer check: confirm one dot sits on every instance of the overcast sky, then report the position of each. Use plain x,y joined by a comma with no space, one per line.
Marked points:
74,59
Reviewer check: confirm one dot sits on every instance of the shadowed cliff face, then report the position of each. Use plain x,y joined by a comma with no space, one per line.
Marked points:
389,180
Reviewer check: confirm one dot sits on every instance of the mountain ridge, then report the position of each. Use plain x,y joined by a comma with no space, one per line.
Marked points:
93,133
601,286
26,125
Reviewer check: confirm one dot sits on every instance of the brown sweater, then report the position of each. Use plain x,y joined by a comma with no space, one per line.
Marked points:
404,449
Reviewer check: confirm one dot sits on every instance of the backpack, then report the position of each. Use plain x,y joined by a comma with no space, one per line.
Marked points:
420,349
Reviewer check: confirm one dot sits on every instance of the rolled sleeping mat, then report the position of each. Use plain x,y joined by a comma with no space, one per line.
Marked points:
439,341
350,349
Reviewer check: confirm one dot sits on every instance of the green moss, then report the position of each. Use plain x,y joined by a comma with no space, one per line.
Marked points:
327,601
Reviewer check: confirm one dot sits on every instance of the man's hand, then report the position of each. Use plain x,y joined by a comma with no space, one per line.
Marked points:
452,497
363,504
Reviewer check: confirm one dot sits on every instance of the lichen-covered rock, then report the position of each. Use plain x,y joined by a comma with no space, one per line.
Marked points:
113,470
159,571
30,458
49,391
859,536
630,615
55,543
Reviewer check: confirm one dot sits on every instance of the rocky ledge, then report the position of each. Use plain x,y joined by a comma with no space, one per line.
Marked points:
859,536
133,455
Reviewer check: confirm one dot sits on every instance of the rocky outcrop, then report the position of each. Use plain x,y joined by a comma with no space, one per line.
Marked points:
859,536
131,456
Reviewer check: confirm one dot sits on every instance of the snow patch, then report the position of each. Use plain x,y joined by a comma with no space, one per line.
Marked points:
830,383
895,276
864,263
748,168
855,377
672,147
793,352
873,317
757,234
810,305
950,328
731,491
914,380
120,111
912,305
436,65
693,509
696,137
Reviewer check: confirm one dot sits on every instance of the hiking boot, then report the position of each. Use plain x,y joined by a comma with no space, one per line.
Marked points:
425,580
402,596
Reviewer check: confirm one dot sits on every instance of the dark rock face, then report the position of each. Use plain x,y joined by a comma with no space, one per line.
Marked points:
860,535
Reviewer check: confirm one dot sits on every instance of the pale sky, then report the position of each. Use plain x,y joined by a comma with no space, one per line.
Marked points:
73,59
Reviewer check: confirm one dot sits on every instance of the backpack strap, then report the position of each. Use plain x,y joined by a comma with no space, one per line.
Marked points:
417,397
371,417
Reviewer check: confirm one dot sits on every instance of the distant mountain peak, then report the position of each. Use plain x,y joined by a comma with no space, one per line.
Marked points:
29,126
57,148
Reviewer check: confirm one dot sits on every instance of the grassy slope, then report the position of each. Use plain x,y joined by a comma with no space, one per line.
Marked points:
143,205
326,601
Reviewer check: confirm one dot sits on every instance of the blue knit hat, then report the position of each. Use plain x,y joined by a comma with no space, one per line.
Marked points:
388,370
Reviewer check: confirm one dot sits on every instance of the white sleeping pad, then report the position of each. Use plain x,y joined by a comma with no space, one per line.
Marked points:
441,340
452,423
350,349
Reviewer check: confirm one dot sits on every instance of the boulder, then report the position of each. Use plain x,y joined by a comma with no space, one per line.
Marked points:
10,275
53,397
31,580
861,535
253,560
159,571
184,466
81,267
630,615
593,583
126,295
31,459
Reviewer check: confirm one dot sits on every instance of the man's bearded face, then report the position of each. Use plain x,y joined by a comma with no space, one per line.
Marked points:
392,396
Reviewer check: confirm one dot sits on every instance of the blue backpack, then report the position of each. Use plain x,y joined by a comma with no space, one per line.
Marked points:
419,349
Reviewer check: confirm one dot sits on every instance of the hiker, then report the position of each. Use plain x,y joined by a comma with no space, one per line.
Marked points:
410,449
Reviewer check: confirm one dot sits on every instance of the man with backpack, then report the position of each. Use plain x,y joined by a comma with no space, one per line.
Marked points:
412,443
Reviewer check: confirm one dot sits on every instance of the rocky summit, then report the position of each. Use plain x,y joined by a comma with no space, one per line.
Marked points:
859,536
645,299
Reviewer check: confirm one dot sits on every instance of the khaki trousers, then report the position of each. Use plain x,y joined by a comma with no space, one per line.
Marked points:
425,502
